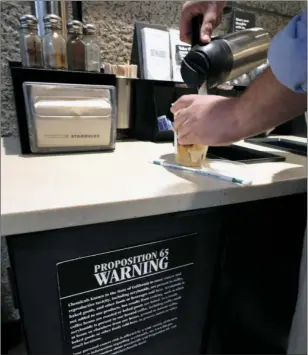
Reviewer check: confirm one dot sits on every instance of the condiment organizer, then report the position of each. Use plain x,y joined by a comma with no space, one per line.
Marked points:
20,75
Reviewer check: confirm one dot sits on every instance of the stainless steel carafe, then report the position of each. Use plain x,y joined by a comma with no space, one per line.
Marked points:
224,58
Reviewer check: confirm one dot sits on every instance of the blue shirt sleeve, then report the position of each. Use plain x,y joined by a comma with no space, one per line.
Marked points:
288,54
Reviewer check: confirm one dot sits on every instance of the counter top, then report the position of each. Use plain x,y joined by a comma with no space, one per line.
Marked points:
57,191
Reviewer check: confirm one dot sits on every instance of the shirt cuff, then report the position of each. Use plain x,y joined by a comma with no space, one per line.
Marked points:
288,54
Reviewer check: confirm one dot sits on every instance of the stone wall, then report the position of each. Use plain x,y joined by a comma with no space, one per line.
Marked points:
115,20
9,37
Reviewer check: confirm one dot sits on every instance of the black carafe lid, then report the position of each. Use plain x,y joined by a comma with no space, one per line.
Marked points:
206,62
195,68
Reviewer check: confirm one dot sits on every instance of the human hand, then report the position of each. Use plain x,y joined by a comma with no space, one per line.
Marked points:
206,119
212,16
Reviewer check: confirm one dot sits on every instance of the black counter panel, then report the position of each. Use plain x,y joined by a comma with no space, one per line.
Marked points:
141,286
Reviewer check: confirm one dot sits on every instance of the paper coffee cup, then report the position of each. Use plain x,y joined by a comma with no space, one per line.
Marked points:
193,155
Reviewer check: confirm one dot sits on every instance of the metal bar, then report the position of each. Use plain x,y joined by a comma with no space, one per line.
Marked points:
63,15
77,10
54,7
44,7
40,12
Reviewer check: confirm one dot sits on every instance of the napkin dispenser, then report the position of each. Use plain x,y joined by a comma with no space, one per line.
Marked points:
70,117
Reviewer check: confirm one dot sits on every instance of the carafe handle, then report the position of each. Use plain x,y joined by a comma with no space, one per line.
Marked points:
196,24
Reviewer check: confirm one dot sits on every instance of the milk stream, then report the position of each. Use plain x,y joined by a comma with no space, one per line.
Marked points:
203,89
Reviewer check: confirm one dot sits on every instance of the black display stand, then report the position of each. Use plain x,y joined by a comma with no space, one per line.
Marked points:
21,75
151,99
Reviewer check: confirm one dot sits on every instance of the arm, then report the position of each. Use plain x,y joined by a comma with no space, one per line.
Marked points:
279,94
266,104
216,120
276,96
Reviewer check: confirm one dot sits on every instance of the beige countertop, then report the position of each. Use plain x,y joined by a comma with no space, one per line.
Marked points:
57,191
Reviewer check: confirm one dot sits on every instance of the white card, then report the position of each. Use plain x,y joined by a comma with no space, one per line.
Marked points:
156,54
